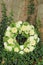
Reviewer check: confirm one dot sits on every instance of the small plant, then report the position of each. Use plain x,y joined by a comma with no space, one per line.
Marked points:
3,23
31,7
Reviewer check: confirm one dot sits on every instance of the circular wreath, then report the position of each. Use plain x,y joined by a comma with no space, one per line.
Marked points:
21,37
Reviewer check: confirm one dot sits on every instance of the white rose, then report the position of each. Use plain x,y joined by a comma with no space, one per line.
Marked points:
14,30
31,48
35,36
8,33
21,47
32,32
21,52
18,24
16,49
26,50
10,41
9,48
31,38
28,28
23,28
32,42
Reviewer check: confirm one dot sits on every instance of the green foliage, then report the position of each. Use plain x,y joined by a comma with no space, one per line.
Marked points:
5,21
33,58
31,7
38,23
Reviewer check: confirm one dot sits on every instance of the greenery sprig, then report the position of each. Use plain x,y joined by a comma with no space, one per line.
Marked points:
5,21
31,7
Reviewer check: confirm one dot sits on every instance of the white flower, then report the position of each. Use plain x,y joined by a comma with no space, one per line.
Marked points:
5,44
9,48
31,48
33,43
14,30
16,49
8,28
21,52
32,26
23,28
28,28
10,41
26,50
35,36
21,47
32,32
8,33
31,38
18,24
38,40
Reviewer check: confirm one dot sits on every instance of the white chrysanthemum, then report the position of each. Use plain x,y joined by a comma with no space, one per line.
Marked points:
21,47
8,33
14,30
26,50
10,41
8,28
32,32
18,24
21,52
16,49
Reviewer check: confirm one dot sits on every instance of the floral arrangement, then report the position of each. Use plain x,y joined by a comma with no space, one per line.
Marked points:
21,37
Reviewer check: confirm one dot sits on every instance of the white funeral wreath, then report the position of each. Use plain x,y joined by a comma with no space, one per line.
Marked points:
21,37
